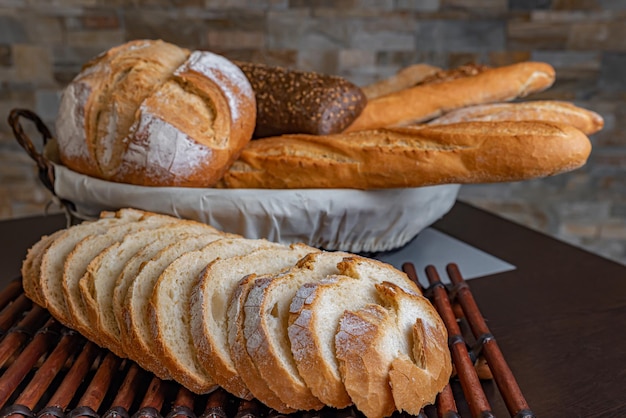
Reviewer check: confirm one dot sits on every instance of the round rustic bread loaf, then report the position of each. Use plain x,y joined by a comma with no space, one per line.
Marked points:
153,114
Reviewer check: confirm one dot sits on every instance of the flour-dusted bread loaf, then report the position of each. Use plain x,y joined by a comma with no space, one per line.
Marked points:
429,100
314,316
168,310
135,330
97,285
210,296
295,101
468,152
151,113
393,355
566,113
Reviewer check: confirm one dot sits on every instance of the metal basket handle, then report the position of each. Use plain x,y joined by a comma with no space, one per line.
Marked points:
46,169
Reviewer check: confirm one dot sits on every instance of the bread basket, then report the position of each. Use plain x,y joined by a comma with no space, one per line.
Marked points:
334,219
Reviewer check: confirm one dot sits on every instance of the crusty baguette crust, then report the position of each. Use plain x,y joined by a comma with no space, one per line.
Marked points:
407,77
428,101
587,121
470,152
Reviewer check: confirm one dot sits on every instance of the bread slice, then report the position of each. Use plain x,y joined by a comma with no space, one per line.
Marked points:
96,286
237,345
168,309
54,256
265,330
81,255
31,267
393,355
210,297
134,330
314,316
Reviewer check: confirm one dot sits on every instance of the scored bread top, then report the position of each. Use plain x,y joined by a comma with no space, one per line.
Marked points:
153,114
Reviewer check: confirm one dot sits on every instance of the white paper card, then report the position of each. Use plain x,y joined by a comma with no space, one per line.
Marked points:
432,247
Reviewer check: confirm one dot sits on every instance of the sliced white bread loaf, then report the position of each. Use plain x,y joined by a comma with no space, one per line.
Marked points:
133,266
393,355
314,316
135,327
265,327
168,309
54,256
31,267
96,286
79,258
209,298
239,354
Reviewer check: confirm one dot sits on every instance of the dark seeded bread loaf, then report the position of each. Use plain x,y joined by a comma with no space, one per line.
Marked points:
292,101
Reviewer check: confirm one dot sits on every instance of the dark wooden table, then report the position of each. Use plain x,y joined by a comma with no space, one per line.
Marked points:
559,317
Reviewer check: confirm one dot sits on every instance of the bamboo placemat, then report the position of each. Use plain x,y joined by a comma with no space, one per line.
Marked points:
49,371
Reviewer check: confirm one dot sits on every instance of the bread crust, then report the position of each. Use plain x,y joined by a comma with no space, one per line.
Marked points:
587,121
153,114
428,101
239,353
468,152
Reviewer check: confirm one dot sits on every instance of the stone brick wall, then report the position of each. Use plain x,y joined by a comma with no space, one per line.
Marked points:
43,43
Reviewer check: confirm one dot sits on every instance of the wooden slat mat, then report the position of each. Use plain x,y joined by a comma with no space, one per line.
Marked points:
47,370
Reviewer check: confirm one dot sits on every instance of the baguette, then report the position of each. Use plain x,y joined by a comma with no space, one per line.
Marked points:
403,79
587,121
471,152
430,100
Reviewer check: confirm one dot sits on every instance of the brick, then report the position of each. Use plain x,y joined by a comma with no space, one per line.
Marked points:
502,58
537,35
187,32
476,6
460,36
613,229
418,5
579,230
12,30
6,56
387,40
322,61
518,5
350,59
236,39
43,29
